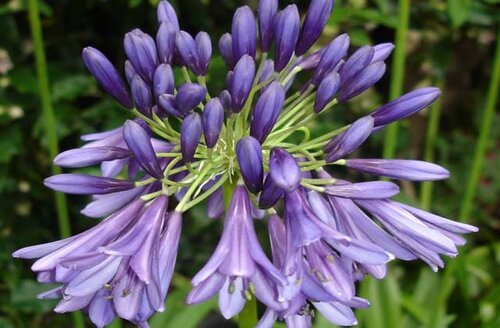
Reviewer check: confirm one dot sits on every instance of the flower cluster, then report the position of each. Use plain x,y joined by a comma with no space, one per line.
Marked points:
185,146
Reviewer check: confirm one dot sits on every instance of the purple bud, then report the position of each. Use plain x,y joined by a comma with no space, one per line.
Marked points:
82,157
165,41
189,95
80,184
312,61
139,143
215,204
190,136
204,46
226,49
141,95
332,55
287,34
187,50
350,140
267,15
364,190
166,13
284,170
364,80
316,18
267,70
382,51
130,71
225,99
241,83
405,106
400,169
163,81
213,117
266,111
270,194
244,33
356,63
249,156
326,91
169,105
107,75
141,51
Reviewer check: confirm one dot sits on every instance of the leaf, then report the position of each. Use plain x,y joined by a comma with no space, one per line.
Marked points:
459,11
24,297
71,87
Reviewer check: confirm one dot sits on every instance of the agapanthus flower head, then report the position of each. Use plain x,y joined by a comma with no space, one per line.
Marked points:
186,145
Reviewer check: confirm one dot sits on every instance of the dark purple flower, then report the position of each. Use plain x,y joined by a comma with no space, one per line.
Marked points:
187,50
316,18
237,261
80,184
327,90
287,30
141,51
365,79
82,157
241,82
331,57
244,33
267,71
284,170
356,63
400,169
349,140
107,75
226,49
163,81
188,96
141,93
249,156
266,111
165,41
166,13
267,15
191,130
213,118
130,71
167,103
204,46
215,204
225,100
270,194
405,106
139,143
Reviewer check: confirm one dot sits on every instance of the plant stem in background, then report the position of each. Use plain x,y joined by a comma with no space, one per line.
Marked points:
470,191
398,73
430,140
50,124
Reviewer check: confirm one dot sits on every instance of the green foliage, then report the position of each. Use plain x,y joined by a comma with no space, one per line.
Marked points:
451,40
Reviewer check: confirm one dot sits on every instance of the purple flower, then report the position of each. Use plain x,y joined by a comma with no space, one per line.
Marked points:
165,42
237,262
141,51
286,35
163,80
404,106
364,190
365,79
331,56
166,13
204,47
241,82
249,156
381,52
106,74
270,194
244,33
266,111
349,140
191,130
80,184
226,49
327,90
82,157
141,93
400,169
267,15
189,95
316,18
213,118
284,170
139,143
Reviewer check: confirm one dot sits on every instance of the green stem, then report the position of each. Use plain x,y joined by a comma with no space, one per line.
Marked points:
248,317
430,140
398,72
50,124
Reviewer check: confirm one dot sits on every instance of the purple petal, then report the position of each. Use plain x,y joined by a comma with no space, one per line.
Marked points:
330,57
364,190
141,51
242,81
249,156
191,130
284,170
316,18
213,118
336,313
231,298
266,111
82,157
139,143
287,34
350,140
244,33
80,184
267,15
166,13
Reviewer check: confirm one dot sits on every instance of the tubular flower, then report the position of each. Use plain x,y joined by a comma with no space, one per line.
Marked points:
186,146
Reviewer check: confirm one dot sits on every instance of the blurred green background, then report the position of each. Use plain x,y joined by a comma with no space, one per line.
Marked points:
451,44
